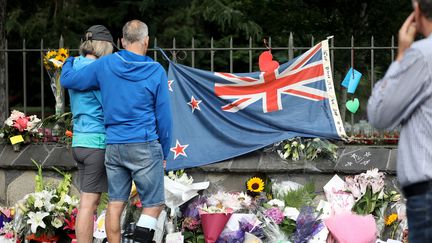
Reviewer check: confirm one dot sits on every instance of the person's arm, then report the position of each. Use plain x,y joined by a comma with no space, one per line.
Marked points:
403,88
83,79
163,114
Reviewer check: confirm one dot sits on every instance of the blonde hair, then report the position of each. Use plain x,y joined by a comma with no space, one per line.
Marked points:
95,47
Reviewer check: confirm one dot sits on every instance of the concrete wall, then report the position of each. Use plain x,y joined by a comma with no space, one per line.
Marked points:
17,171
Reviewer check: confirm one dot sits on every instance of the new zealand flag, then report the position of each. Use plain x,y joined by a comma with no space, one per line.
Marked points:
218,116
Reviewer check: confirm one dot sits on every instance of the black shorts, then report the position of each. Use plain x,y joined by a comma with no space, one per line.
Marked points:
91,169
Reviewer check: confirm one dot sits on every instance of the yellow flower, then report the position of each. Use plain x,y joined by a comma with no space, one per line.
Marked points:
50,54
63,52
255,184
60,58
391,219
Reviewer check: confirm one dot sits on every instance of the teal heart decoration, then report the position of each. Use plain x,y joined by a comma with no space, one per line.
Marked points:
353,105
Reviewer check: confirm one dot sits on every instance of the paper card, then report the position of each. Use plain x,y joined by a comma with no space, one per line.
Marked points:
158,236
334,185
176,237
16,139
351,80
234,225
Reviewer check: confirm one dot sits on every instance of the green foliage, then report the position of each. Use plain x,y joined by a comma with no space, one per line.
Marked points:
103,203
308,149
370,203
301,197
64,185
193,237
39,184
288,226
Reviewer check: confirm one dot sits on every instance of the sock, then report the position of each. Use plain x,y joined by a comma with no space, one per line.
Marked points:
146,221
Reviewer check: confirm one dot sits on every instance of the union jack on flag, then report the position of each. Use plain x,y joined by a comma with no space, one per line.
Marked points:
218,116
270,86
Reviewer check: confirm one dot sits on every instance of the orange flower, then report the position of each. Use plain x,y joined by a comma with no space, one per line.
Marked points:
68,133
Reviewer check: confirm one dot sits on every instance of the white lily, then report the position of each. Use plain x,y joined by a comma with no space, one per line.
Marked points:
36,220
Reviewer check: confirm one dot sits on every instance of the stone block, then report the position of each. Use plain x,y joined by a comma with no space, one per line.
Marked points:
60,157
25,184
2,186
391,165
357,159
37,152
246,163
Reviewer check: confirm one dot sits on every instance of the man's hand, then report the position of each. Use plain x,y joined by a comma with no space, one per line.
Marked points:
164,164
407,34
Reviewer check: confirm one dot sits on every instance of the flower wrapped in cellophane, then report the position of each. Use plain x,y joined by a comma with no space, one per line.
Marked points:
41,215
53,62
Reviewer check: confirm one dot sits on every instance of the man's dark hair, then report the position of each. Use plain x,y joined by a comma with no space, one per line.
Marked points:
426,8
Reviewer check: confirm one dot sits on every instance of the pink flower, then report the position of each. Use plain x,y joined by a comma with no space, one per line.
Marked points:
9,235
275,214
21,124
190,223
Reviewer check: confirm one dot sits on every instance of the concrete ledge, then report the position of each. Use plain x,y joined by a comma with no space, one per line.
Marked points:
351,160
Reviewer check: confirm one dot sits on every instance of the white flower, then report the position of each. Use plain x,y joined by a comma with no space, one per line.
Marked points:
185,179
36,220
39,203
15,115
291,213
302,146
9,122
294,144
277,203
245,199
57,222
1,135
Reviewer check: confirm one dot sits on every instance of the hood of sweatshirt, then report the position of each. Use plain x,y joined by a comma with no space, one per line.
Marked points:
133,67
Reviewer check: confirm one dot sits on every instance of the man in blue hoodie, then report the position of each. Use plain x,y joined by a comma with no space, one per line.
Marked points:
135,100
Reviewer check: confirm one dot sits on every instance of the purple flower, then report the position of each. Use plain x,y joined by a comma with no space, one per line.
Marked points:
275,214
192,208
256,230
232,237
308,225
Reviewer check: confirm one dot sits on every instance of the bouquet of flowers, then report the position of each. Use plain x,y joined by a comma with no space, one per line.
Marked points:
53,62
6,224
369,192
41,215
18,124
307,149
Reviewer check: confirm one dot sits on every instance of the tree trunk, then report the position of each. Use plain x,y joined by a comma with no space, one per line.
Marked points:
3,99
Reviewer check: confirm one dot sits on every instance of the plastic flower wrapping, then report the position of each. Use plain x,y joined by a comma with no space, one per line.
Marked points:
19,123
53,62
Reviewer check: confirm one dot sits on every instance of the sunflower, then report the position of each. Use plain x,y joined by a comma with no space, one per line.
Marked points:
390,219
63,52
50,54
255,184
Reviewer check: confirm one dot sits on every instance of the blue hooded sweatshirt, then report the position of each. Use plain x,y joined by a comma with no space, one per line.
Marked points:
88,119
135,96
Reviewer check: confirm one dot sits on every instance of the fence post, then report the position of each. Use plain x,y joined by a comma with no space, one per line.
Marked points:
24,76
372,75
211,55
42,80
193,52
174,53
290,46
231,55
250,54
392,48
155,51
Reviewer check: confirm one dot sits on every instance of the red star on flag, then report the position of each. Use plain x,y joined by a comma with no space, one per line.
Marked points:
169,85
194,104
179,149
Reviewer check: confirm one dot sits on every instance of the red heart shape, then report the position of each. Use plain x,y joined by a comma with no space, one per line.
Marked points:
266,63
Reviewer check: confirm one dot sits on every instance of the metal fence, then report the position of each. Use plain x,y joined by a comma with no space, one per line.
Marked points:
181,54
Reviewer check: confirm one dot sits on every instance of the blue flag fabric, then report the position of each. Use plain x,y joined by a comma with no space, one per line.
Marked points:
218,116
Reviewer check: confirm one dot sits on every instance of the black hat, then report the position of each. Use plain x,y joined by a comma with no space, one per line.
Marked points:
100,33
